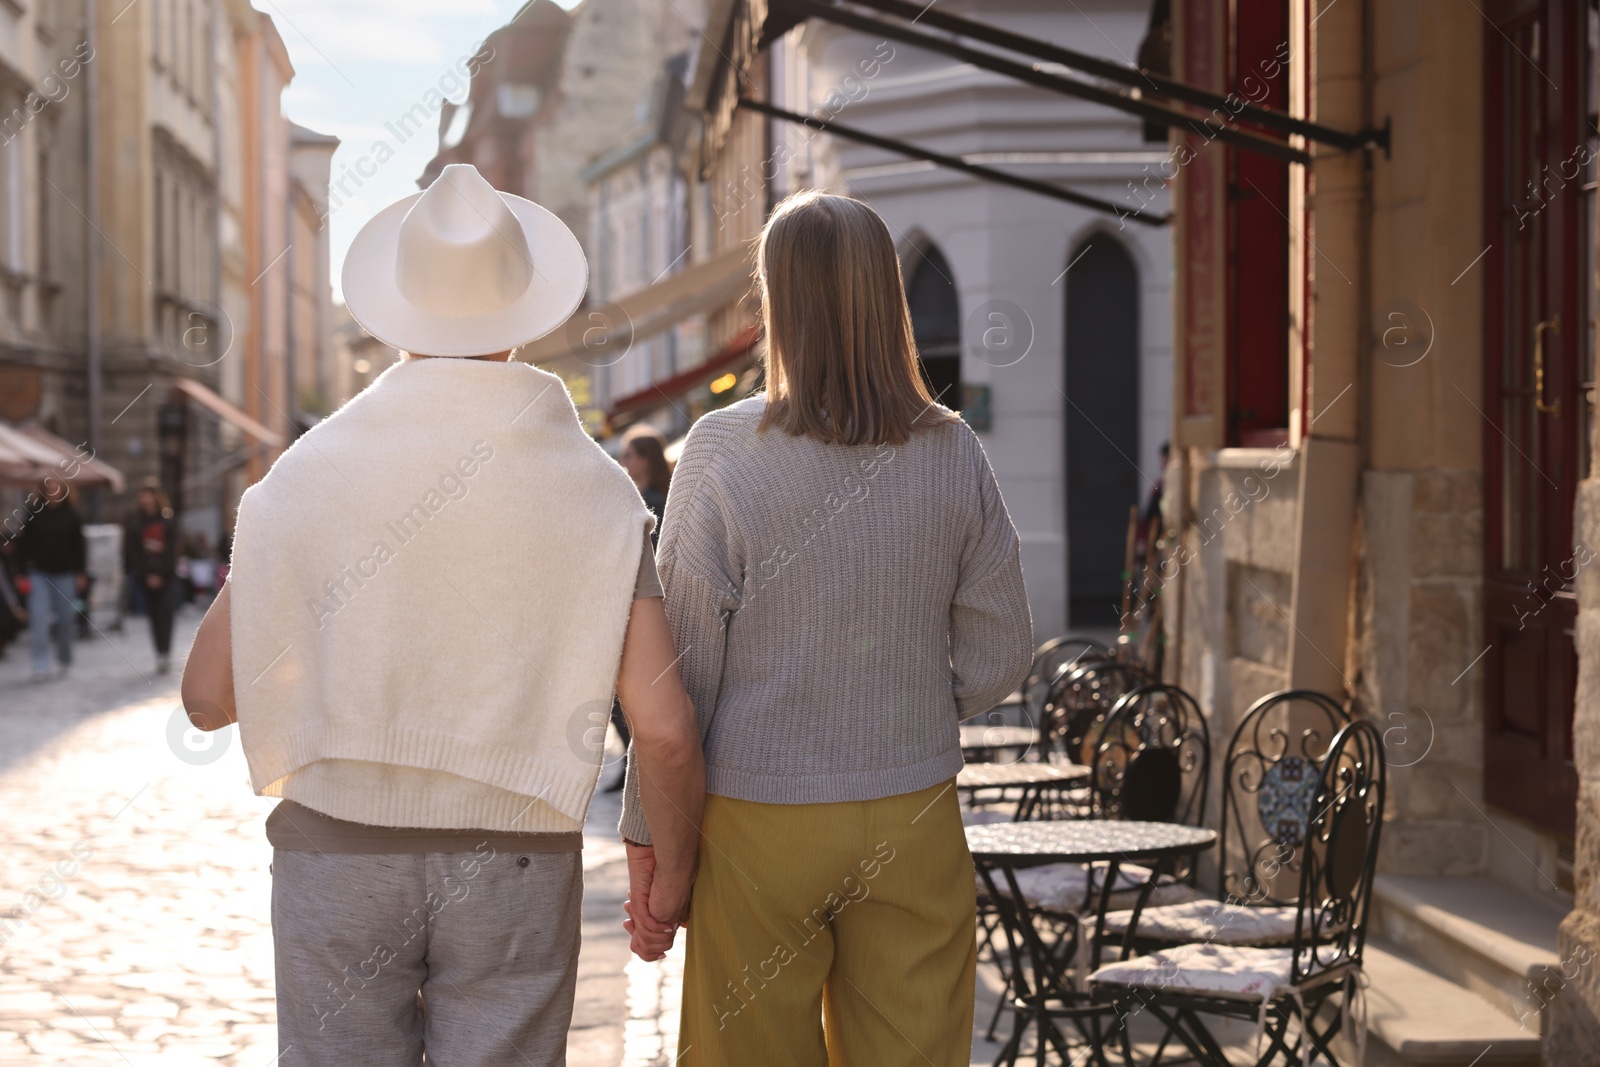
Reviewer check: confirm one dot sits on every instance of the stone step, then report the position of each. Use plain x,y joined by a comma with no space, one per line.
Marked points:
1486,937
1416,1017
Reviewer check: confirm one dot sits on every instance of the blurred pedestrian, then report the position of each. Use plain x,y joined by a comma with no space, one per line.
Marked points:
644,457
53,554
826,545
150,556
426,876
13,617
202,568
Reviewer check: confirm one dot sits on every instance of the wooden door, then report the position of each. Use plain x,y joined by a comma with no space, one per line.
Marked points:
1539,194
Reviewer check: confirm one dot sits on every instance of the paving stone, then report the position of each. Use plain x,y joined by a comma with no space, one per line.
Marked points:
140,889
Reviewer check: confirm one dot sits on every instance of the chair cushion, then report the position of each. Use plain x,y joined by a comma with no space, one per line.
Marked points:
1064,887
1236,971
1210,920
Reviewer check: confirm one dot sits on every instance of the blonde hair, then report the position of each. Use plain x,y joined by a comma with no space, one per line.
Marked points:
842,362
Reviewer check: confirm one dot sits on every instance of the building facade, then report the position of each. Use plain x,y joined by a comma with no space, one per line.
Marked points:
145,189
1384,404
1047,323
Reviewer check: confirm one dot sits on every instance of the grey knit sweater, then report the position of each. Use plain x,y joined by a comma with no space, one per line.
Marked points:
838,608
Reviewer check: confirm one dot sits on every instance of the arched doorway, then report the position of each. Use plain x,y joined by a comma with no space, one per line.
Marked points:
936,322
1102,425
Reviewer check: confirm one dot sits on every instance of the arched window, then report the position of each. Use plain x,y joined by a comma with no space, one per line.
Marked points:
936,323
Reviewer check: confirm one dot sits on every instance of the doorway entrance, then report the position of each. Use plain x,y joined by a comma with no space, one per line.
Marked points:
1102,426
1538,387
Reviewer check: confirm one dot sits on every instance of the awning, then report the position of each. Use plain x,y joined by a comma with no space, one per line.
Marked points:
30,454
747,26
642,314
219,407
734,354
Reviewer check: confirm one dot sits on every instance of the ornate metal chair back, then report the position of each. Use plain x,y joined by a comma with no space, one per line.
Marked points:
1152,757
1340,856
1051,660
1081,698
1270,773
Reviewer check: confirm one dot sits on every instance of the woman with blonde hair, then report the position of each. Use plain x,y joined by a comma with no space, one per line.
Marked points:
845,586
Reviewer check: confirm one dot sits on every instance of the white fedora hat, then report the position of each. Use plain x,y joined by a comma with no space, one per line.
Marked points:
461,269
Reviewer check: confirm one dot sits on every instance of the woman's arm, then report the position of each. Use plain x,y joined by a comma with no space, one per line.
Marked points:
991,628
695,561
667,761
208,674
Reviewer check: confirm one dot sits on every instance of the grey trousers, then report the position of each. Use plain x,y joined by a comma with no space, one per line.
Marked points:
471,956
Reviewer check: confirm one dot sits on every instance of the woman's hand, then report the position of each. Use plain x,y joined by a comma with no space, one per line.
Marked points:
651,937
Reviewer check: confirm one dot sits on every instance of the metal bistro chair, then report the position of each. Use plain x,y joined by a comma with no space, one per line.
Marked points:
1080,696
1057,656
1269,775
1151,763
1151,757
1279,986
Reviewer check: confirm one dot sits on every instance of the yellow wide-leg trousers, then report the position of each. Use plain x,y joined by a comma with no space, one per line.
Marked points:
831,934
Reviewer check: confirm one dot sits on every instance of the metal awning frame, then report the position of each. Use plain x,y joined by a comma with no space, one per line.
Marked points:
954,163
1136,78
1131,99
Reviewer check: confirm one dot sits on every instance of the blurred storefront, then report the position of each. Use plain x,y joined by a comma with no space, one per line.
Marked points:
148,206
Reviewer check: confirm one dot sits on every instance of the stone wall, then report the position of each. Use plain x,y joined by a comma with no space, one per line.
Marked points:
1574,1033
1418,628
1234,568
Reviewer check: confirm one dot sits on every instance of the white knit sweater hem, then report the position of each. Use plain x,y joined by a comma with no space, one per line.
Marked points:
562,782
406,796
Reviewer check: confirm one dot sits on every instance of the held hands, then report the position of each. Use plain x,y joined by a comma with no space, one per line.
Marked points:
655,911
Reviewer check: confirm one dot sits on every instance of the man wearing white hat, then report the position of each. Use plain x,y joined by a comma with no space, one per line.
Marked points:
435,593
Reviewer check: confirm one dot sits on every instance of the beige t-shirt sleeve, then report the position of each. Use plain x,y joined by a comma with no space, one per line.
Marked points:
648,583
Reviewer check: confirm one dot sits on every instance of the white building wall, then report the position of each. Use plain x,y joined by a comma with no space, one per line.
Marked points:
1008,244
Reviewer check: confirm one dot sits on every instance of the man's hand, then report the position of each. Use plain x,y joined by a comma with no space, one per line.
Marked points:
83,583
153,581
651,937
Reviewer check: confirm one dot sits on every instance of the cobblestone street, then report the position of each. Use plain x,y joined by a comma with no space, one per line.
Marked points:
135,895
134,900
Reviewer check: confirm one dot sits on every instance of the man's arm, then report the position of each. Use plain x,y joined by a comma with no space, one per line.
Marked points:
208,674
666,751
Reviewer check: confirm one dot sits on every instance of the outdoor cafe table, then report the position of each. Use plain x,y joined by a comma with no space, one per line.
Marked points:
1038,979
1029,780
977,738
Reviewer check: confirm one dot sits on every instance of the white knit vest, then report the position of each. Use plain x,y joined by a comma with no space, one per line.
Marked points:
430,591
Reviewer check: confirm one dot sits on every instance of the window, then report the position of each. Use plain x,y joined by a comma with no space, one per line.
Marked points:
1258,240
14,247
161,229
936,323
46,268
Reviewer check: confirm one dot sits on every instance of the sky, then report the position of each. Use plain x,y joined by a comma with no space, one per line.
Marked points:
361,64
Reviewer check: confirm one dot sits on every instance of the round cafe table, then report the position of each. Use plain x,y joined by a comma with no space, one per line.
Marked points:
1046,978
978,740
1029,782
